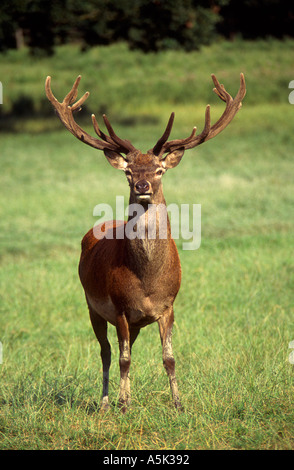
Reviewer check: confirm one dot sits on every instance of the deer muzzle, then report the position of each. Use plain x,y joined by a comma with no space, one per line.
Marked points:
143,190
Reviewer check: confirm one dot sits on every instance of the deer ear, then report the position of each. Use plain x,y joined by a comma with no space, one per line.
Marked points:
172,159
115,159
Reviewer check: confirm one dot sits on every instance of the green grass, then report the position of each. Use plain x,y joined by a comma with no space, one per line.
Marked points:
130,84
234,312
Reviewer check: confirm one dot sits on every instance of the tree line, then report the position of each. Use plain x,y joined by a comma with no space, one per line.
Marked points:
148,25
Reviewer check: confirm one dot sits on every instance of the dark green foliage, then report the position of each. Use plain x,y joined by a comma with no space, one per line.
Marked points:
148,25
171,25
257,18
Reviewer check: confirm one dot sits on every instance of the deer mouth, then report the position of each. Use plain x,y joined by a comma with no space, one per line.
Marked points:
145,197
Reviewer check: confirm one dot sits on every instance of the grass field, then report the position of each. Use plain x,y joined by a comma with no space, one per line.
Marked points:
234,312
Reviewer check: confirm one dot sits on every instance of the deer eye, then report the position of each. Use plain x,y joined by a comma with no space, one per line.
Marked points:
159,172
128,173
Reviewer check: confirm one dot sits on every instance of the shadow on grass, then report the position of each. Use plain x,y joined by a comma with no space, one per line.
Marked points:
24,117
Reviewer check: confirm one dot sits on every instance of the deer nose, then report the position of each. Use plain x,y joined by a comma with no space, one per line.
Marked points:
142,186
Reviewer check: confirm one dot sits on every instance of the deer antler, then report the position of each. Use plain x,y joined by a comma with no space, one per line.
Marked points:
65,111
232,106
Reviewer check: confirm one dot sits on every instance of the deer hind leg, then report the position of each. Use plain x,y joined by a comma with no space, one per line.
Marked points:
165,324
100,329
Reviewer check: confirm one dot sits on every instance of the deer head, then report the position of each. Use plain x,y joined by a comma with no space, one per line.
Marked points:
144,171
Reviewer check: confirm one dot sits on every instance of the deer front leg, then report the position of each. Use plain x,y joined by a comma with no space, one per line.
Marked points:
123,334
165,324
100,329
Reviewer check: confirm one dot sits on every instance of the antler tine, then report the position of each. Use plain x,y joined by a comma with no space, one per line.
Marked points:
78,105
49,93
98,131
190,141
124,143
65,111
220,90
72,95
115,140
232,106
157,149
172,145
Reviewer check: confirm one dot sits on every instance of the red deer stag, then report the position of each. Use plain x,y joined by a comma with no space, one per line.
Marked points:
132,282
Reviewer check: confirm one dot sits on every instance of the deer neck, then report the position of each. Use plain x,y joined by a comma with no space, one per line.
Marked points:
148,251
